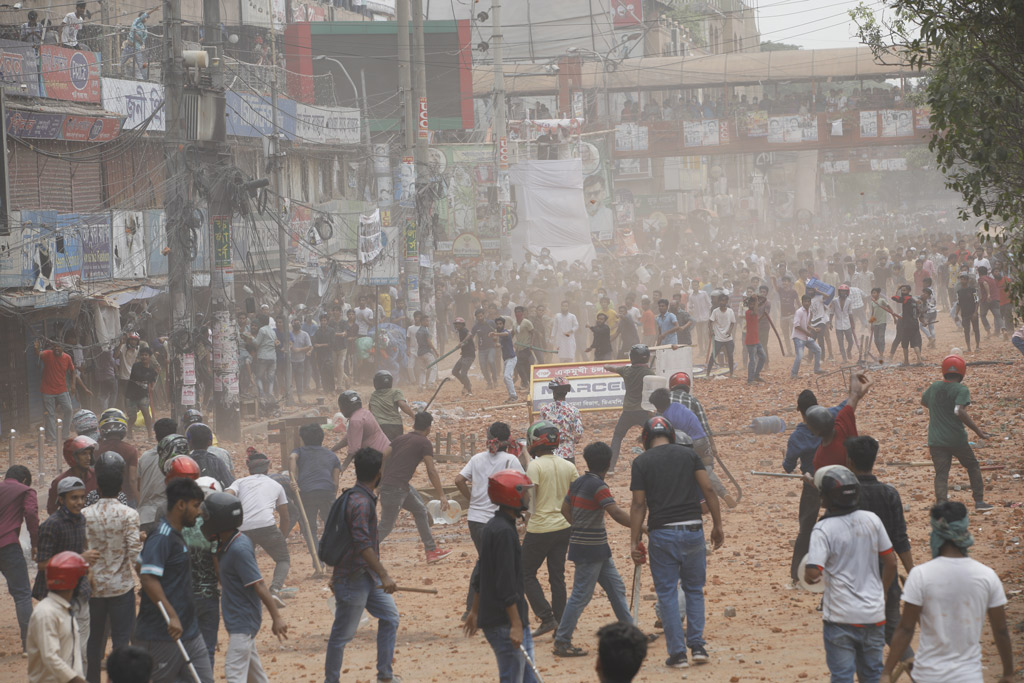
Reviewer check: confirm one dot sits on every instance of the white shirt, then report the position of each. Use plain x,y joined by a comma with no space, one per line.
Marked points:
364,319
841,311
477,471
802,319
721,321
53,645
71,25
979,262
698,306
566,346
410,342
847,549
951,620
260,496
819,314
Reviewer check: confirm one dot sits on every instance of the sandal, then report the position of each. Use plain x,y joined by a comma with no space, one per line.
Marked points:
569,650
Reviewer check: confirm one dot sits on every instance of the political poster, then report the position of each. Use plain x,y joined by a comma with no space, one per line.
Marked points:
869,124
97,255
693,134
757,123
593,387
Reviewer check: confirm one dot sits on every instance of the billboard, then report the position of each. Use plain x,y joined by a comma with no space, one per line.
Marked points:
137,100
19,66
593,387
72,75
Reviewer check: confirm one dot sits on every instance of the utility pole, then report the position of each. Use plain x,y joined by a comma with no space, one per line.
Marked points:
177,204
500,126
275,152
424,232
222,278
409,105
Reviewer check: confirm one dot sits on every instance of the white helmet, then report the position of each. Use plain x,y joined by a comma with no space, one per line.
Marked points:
209,485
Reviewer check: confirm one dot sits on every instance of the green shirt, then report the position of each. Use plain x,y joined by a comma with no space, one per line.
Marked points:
384,406
944,427
633,378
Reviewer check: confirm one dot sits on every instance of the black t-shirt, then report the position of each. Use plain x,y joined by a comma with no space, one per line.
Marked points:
667,475
683,336
467,350
423,341
602,339
139,381
967,300
628,335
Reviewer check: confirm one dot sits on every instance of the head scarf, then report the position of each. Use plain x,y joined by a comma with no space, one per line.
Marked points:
958,533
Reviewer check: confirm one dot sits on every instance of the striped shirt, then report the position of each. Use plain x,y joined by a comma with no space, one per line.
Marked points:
589,496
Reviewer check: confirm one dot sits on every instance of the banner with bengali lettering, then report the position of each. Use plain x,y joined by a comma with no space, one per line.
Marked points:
72,75
136,100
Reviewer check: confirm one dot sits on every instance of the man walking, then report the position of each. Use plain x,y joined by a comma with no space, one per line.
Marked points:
401,459
18,503
803,337
565,416
722,325
359,580
947,402
547,531
951,620
851,549
260,496
57,368
668,482
524,333
563,334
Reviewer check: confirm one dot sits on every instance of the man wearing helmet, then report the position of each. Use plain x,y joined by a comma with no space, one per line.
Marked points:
668,482
167,581
242,587
363,430
386,402
193,416
547,531
834,430
85,423
113,429
633,414
467,354
498,584
565,416
78,454
65,530
112,529
846,546
947,402
51,643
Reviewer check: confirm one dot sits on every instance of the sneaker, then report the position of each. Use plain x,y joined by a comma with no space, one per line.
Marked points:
982,506
393,679
278,601
677,661
546,626
568,650
700,655
437,554
288,591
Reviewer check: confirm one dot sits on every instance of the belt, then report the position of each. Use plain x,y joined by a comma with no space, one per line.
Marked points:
688,526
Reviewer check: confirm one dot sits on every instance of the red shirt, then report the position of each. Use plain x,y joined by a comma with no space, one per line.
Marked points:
55,372
987,288
835,452
17,502
750,337
1004,296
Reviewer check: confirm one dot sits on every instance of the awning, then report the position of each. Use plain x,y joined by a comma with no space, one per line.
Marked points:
136,294
61,121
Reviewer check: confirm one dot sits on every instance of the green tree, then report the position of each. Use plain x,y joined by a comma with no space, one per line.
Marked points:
975,90
772,46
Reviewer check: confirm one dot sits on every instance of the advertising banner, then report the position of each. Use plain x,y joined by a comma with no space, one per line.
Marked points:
627,13
67,252
593,387
90,128
757,123
37,125
19,66
137,100
72,75
97,255
328,125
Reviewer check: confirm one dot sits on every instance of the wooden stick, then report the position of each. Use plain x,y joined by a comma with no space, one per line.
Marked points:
778,474
407,589
505,405
308,532
928,463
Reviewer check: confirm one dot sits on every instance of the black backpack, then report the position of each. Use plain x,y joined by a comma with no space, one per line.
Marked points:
336,540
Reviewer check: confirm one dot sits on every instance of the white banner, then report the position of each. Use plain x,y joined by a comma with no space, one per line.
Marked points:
130,257
329,125
256,13
371,238
136,100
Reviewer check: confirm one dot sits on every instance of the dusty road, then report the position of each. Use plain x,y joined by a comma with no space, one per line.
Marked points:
776,633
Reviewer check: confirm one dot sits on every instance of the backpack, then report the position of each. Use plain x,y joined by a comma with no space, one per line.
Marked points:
336,540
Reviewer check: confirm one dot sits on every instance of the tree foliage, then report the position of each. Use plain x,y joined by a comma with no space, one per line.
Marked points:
975,90
772,46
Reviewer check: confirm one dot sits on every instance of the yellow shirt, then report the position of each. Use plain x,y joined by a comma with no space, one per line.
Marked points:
552,476
613,318
800,287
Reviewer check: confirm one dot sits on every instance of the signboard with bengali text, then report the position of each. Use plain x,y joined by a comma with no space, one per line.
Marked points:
593,387
72,75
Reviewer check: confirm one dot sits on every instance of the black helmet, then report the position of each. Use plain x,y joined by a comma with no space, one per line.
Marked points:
221,512
820,420
657,426
109,461
191,417
839,488
639,354
349,402
383,379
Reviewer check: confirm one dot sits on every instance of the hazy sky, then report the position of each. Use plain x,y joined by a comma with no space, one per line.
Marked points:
809,23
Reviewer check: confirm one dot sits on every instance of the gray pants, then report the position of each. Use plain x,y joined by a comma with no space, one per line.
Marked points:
168,664
393,499
266,370
703,448
51,404
242,662
15,571
942,459
83,617
272,540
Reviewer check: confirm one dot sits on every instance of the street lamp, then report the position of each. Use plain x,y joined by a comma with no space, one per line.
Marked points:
364,114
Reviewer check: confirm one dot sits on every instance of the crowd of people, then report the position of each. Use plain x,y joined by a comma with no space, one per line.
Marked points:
175,524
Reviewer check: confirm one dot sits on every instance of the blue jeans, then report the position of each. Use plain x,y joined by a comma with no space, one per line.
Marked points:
119,611
756,358
678,557
208,616
509,374
51,404
487,357
512,667
587,575
1018,343
853,650
799,345
15,571
351,597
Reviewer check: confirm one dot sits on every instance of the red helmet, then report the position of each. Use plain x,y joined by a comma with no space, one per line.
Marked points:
679,379
510,488
73,447
181,466
657,426
459,321
954,365
65,570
